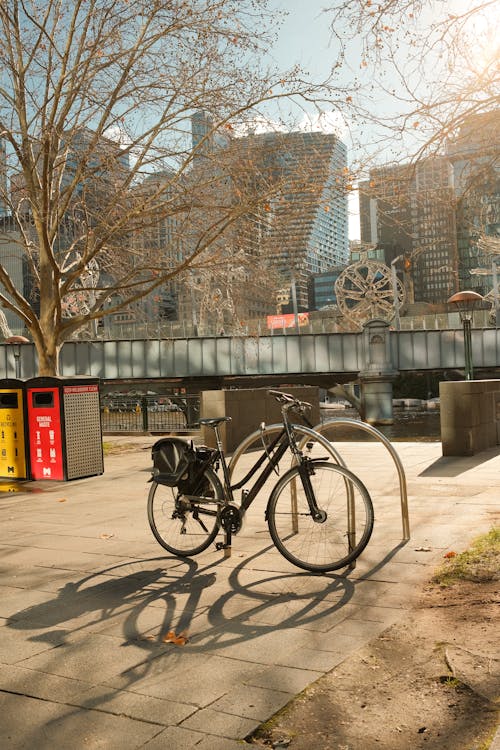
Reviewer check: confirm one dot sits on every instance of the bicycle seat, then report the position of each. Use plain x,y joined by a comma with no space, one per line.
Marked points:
214,421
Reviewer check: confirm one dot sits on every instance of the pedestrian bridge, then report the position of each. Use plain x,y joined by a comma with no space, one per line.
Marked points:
321,358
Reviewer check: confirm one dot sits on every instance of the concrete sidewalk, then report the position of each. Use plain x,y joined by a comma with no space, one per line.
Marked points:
86,596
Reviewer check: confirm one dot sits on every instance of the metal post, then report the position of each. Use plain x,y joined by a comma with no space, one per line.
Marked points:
397,322
465,302
469,370
294,303
16,348
144,410
495,290
194,317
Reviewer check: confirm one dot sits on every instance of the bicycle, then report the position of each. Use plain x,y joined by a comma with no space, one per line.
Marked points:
313,511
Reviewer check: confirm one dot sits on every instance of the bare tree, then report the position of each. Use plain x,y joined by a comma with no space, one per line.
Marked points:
425,89
97,98
420,70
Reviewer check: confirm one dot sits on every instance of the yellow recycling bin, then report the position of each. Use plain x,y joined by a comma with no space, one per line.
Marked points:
13,458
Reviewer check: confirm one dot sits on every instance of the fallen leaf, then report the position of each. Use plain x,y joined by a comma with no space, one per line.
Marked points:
450,554
169,637
177,639
61,500
181,640
105,536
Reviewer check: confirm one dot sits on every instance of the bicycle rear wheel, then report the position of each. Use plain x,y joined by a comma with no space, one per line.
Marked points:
184,526
339,536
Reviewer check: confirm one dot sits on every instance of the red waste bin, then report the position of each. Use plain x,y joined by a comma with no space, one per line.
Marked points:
64,428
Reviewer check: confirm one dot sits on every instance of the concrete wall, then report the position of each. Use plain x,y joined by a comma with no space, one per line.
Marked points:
247,409
470,416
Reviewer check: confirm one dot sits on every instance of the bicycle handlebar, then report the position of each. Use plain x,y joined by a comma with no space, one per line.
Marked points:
290,401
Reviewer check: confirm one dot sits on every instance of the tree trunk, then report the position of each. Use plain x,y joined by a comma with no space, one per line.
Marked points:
48,357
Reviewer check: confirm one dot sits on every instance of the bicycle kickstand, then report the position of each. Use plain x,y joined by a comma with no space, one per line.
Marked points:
225,545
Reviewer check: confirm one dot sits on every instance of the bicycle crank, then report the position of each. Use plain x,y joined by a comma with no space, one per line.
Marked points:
231,518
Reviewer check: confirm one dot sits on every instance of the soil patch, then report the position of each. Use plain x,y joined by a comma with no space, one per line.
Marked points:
430,681
115,449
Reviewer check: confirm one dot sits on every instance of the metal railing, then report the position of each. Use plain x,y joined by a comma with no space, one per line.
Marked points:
165,413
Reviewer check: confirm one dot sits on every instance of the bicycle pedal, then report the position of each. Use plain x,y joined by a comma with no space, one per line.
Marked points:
222,545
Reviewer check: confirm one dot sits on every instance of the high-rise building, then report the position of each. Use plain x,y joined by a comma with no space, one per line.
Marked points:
474,153
443,213
281,200
98,165
160,242
385,210
302,229
409,212
13,261
322,293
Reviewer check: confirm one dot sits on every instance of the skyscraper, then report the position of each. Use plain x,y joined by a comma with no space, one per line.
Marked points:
303,226
280,201
409,212
474,153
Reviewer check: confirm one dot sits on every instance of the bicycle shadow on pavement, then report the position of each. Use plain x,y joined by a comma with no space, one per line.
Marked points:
184,597
181,590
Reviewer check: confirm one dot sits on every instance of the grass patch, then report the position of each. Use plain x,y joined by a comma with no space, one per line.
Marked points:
450,681
109,448
479,563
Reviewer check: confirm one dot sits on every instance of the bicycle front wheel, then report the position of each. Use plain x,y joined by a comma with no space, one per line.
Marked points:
185,526
345,521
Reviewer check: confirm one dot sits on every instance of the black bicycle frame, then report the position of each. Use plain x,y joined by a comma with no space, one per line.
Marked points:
217,455
284,440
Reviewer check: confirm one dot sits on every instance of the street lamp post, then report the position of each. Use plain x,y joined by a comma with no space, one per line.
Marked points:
495,289
465,302
16,342
397,319
16,348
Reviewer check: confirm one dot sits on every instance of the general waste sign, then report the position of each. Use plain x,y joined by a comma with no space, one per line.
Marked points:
44,417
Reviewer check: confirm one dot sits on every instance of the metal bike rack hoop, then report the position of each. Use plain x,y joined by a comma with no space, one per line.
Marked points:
364,427
275,428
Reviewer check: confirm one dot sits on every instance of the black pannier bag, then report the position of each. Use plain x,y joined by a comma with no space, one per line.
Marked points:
172,458
176,463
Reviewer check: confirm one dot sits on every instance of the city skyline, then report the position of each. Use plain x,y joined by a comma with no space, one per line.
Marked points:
306,38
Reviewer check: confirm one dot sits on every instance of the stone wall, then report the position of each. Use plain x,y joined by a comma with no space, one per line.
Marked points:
470,416
247,409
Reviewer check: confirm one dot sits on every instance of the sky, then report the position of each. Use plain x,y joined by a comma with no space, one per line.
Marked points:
305,35
305,39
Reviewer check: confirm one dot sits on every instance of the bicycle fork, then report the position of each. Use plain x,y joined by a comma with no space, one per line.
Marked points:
306,468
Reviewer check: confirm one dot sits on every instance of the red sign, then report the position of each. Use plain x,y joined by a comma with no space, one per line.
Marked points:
80,388
287,321
44,419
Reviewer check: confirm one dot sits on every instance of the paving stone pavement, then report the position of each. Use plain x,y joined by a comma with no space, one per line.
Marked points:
86,596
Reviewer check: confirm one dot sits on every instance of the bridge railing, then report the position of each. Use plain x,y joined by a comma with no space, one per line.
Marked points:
246,356
152,414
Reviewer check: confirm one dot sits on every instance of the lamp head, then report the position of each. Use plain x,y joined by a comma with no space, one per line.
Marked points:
465,302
